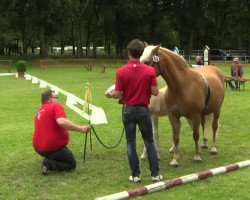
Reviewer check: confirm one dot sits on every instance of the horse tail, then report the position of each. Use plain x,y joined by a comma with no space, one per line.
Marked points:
208,130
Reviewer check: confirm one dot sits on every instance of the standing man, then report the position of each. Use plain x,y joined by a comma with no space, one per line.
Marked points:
136,81
51,135
236,73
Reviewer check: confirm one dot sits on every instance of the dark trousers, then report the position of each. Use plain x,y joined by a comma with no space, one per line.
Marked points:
139,115
61,159
236,82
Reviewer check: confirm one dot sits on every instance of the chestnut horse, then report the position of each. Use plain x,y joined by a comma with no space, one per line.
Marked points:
192,93
158,109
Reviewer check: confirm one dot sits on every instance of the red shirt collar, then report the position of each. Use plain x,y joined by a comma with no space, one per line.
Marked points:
134,63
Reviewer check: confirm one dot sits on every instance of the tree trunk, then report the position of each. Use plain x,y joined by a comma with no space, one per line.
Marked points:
73,37
239,38
78,39
191,40
62,41
43,51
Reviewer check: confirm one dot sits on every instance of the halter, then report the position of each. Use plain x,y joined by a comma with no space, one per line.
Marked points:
156,60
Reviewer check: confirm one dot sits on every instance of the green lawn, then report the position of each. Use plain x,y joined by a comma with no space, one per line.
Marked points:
106,171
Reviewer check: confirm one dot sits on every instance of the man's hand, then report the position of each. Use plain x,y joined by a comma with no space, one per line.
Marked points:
107,94
86,128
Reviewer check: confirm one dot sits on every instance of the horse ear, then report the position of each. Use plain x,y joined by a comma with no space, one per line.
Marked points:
155,50
145,44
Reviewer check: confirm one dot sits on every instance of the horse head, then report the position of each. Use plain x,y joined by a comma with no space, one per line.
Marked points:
150,56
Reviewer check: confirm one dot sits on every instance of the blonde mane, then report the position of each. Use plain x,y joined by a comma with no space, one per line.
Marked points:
146,56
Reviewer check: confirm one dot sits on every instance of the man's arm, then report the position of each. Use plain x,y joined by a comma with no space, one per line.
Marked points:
154,90
68,125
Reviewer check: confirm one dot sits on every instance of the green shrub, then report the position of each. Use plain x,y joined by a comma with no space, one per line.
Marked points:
21,66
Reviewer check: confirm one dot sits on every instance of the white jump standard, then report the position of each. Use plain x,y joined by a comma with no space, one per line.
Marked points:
175,182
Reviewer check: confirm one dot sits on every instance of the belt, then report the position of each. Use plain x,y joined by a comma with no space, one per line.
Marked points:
140,105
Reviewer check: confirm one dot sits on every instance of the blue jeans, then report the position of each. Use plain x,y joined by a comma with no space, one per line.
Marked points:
139,115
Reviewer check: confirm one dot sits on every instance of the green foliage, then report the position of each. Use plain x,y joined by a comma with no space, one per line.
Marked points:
189,24
21,66
106,171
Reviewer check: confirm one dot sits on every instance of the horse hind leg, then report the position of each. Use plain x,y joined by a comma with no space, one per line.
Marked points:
144,153
196,119
206,123
213,150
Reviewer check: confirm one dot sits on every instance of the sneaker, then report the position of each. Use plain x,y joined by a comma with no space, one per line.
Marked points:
44,169
157,178
135,179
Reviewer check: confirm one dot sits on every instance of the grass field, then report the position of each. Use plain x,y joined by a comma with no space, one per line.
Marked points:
106,171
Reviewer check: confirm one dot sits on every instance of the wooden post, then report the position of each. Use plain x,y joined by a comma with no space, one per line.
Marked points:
206,56
102,69
10,67
41,65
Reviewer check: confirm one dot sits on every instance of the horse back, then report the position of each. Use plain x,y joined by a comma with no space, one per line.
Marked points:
215,78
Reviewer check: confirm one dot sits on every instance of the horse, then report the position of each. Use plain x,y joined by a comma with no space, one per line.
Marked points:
158,109
194,93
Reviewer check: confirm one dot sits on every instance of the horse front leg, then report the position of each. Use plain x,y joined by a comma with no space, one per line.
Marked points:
176,125
155,124
196,119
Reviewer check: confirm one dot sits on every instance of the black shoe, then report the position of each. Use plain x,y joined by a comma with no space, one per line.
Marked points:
44,169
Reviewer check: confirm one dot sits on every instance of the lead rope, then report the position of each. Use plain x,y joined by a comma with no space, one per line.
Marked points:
86,109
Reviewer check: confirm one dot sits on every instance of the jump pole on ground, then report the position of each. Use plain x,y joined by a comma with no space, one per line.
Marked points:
175,182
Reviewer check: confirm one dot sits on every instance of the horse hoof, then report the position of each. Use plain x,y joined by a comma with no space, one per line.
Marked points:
203,146
213,152
196,161
143,158
174,164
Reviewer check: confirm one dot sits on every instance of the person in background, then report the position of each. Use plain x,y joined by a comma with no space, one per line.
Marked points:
136,81
199,60
51,135
236,73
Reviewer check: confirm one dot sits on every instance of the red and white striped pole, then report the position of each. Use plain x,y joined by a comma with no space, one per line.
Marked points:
175,182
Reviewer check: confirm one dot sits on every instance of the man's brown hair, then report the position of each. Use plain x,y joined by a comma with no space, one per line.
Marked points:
46,95
135,48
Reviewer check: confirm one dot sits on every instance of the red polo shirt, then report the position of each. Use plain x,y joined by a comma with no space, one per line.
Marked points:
48,135
135,80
